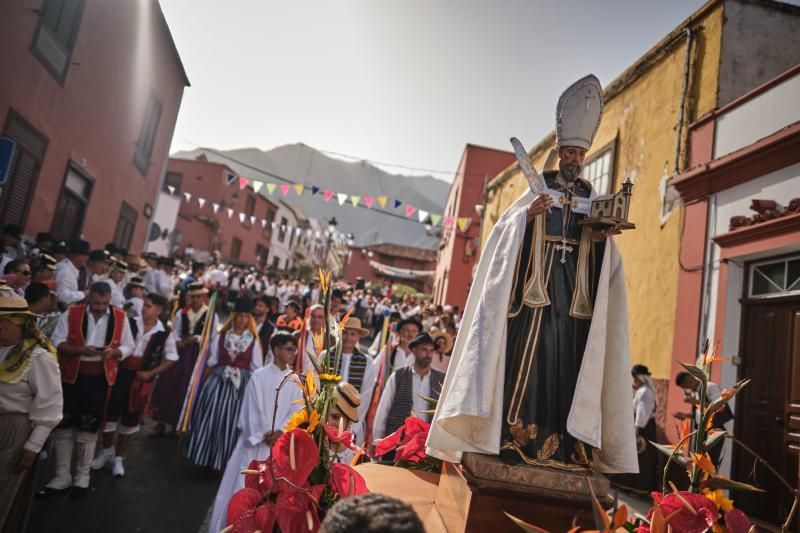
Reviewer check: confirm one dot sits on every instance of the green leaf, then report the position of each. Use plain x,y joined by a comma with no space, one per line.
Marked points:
668,451
714,483
696,373
720,402
529,528
429,400
714,438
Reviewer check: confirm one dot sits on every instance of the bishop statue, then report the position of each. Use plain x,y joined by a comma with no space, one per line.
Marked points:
540,368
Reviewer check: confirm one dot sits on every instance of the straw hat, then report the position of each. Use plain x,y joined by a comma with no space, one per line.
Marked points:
355,323
348,400
441,334
13,304
197,289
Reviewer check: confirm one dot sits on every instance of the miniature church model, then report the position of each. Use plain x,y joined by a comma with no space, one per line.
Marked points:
613,208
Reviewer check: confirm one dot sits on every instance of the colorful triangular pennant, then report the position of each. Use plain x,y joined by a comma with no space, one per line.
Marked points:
284,189
187,195
435,219
257,185
382,200
368,201
228,177
241,217
215,207
409,209
397,203
171,189
252,219
201,201
243,182
263,222
354,200
298,187
270,188
342,197
448,221
328,195
422,214
230,212
314,190
463,223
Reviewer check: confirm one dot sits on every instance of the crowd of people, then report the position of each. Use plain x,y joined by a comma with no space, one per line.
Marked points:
94,341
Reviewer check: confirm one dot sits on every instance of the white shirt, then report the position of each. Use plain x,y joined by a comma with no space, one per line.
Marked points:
117,298
151,280
95,334
170,351
135,310
420,386
644,406
164,284
66,277
402,358
37,394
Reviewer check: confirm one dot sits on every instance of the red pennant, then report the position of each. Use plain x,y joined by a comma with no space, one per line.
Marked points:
328,195
410,210
243,182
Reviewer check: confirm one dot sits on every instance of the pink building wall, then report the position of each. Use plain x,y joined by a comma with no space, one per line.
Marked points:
122,54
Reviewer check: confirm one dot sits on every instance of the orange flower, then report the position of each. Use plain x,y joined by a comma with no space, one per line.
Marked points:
346,316
322,285
719,499
704,463
303,420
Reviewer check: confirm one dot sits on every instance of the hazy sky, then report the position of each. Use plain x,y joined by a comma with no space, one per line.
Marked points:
408,81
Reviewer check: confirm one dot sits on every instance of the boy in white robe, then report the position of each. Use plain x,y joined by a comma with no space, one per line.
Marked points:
258,431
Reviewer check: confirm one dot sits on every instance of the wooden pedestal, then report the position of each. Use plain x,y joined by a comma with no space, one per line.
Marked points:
468,500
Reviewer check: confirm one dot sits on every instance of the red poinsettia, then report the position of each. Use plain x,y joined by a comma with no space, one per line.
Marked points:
684,511
408,440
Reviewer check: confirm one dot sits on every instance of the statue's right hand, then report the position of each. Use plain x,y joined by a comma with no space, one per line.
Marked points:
540,204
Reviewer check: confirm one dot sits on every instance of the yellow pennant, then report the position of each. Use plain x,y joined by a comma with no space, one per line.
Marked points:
382,200
299,188
463,223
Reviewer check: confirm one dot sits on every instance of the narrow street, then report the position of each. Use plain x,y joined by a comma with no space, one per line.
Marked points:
160,493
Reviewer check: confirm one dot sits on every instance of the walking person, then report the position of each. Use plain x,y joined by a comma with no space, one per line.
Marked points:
234,354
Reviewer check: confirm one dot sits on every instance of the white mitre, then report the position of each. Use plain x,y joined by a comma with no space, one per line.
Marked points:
578,113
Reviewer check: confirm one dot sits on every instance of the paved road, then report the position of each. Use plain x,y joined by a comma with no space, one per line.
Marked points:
161,492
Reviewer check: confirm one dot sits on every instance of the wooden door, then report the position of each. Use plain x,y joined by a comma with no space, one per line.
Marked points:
768,410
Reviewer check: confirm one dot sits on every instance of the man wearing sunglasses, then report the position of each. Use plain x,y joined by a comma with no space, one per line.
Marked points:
17,274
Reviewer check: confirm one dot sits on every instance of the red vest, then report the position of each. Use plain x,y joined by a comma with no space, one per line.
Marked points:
70,365
242,360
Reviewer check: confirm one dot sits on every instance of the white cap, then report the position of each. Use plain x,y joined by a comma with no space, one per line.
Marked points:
578,113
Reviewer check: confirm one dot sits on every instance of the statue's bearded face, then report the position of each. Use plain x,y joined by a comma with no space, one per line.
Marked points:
570,162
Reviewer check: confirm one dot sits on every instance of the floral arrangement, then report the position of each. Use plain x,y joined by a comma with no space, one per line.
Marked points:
300,481
704,506
408,443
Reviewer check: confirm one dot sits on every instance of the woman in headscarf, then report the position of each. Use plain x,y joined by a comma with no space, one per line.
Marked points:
30,405
234,353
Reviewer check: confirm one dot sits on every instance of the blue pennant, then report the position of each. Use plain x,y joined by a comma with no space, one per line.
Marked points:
314,190
397,203
230,177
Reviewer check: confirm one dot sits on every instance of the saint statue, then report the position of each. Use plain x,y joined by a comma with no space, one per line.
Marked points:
540,368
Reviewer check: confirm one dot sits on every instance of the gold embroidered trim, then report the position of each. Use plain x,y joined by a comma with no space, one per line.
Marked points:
581,306
550,463
535,292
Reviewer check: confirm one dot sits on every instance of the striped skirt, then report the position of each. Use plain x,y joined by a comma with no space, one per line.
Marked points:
170,388
213,430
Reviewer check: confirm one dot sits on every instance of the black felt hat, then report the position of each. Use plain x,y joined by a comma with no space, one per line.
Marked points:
98,255
243,305
79,247
409,320
422,338
640,370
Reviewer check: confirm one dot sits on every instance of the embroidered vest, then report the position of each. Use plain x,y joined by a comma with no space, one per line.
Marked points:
154,352
77,321
241,361
358,367
403,396
198,326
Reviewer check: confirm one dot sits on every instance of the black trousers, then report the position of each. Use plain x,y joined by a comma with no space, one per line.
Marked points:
84,403
118,404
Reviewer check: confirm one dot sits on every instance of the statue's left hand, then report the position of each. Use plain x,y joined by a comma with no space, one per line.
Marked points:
603,234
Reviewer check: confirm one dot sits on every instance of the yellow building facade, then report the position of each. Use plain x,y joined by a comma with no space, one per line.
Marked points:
641,136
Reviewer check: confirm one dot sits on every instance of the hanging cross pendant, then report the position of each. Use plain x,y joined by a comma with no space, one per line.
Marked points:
564,247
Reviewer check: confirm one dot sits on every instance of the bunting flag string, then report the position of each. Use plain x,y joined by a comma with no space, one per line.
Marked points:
342,197
263,222
314,190
229,177
435,219
257,185
241,217
410,210
215,207
284,189
398,203
368,201
201,201
354,200
382,200
230,212
422,214
252,219
270,188
298,187
448,221
243,182
328,194
463,223
188,196
171,189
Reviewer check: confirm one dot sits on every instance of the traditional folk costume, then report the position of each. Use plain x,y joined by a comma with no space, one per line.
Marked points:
130,395
361,372
170,388
85,381
30,407
265,330
547,380
233,357
262,400
403,395
71,281
398,356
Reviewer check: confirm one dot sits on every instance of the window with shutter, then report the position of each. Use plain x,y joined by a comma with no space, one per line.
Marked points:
126,224
16,193
56,33
71,208
147,135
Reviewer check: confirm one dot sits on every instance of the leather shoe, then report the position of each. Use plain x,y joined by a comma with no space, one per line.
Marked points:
49,491
78,493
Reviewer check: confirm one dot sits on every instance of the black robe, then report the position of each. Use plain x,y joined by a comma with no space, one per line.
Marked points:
545,347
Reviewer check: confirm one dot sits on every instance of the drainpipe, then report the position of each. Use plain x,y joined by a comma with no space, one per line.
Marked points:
689,33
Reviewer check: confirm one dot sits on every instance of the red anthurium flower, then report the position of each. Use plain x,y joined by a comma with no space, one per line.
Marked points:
261,481
675,507
244,500
388,443
414,425
737,522
297,512
345,438
266,515
346,481
294,456
246,522
413,449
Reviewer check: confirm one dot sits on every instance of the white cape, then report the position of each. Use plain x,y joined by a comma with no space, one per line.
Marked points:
255,419
469,414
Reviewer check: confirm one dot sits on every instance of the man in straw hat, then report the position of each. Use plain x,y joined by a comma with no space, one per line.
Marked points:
406,387
188,326
357,368
30,405
539,372
91,339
